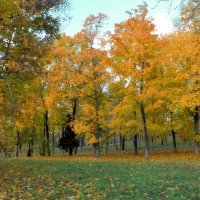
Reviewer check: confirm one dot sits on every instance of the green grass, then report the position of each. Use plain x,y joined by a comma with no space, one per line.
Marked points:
74,179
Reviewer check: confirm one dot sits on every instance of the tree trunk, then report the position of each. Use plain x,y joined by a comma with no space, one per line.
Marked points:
135,137
47,133
82,142
75,149
17,144
146,137
97,150
32,140
20,142
44,140
153,142
107,144
120,141
196,129
29,152
70,151
74,107
116,142
53,141
174,140
123,143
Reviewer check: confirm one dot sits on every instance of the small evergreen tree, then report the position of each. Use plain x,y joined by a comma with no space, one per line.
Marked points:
68,141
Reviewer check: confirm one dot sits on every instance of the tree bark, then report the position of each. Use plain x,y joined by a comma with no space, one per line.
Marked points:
74,105
196,129
17,144
82,142
70,151
44,140
98,152
53,141
116,140
106,150
123,143
47,132
29,152
75,149
32,140
135,137
146,137
174,140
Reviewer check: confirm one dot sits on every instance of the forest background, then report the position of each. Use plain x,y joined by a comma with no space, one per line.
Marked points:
104,87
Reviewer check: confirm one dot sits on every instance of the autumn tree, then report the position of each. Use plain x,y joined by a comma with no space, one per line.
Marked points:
134,52
64,85
190,16
181,74
182,61
27,30
94,75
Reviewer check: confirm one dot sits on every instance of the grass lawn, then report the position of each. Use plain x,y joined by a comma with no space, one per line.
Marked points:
122,176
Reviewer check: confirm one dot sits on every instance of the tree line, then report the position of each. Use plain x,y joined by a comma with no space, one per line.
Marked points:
97,85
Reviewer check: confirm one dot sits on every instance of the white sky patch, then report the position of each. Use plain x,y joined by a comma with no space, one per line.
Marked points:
164,24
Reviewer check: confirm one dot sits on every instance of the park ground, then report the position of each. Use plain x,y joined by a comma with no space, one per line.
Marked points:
168,175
